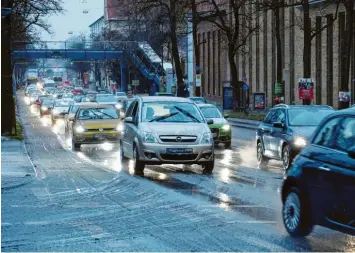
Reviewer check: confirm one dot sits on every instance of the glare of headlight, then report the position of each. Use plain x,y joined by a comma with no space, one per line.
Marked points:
226,127
300,142
56,111
120,127
118,106
59,122
107,146
44,108
80,129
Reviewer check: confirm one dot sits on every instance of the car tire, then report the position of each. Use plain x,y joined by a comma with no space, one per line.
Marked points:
228,144
208,167
138,165
260,158
286,157
295,216
75,146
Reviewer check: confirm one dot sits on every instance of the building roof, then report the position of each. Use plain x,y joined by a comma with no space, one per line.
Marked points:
97,21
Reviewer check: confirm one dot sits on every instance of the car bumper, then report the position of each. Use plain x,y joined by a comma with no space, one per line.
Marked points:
97,137
223,137
156,153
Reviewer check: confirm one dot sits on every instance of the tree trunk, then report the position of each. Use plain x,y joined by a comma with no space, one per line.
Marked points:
196,46
7,101
346,51
279,77
307,45
175,50
234,73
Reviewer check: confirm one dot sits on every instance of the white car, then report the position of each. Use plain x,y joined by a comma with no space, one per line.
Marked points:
166,130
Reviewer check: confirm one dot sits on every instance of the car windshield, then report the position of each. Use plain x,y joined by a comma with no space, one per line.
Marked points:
98,113
307,117
170,112
106,99
50,85
199,100
210,112
74,108
48,102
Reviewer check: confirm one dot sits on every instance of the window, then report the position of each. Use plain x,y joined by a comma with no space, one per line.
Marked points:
326,136
130,108
345,139
277,115
280,116
135,112
269,116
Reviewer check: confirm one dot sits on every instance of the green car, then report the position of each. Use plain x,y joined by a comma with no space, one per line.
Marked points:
222,131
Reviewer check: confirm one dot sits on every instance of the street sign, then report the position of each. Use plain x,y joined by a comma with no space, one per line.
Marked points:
245,86
198,80
135,82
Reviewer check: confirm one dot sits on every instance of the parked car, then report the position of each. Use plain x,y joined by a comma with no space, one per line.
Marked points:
285,131
199,100
319,188
166,130
95,124
221,130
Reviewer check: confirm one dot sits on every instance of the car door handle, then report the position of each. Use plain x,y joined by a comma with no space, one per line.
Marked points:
324,168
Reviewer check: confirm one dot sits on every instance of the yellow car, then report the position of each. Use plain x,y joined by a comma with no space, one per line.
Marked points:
96,124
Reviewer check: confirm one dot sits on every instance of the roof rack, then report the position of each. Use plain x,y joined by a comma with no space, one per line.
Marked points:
281,105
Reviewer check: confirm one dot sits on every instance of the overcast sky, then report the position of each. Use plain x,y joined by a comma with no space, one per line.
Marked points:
74,19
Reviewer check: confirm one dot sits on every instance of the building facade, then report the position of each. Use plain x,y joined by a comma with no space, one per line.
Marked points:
97,27
257,62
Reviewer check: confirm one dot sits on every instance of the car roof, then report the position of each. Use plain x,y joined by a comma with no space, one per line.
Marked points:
197,97
206,105
165,99
95,105
348,111
303,106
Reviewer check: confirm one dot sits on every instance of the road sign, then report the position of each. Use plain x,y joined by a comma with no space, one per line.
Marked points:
198,80
245,87
135,82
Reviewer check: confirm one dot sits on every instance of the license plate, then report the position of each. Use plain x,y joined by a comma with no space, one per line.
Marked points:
100,136
176,151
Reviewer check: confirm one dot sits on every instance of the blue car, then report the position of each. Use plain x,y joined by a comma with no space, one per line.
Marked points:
319,187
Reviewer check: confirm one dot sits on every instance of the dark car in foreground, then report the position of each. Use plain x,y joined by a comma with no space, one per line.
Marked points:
285,131
319,187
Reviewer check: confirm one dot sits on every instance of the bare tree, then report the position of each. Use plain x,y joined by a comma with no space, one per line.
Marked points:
233,21
26,16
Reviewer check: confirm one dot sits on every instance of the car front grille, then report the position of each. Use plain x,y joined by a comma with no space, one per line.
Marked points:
103,129
186,157
178,138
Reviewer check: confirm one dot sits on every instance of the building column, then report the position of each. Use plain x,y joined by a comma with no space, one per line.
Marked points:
123,67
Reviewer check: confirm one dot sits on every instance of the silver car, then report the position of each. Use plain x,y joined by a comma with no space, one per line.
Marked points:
166,130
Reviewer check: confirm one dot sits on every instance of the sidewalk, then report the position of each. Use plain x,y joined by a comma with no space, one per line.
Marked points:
244,123
16,167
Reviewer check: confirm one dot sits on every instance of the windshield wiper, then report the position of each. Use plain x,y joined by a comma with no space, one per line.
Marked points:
100,116
187,114
163,117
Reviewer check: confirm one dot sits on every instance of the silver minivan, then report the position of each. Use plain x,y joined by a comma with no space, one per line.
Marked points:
166,130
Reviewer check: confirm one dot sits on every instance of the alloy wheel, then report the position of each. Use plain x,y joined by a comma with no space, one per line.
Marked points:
292,212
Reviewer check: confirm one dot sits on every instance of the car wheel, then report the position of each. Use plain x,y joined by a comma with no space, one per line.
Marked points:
286,157
228,144
75,146
295,216
138,165
208,167
261,159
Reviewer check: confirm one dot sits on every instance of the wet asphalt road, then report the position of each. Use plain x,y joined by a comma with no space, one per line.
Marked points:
89,201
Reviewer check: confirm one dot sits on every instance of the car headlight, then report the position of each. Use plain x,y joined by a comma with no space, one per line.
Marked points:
226,128
206,138
44,108
120,127
33,99
118,106
80,129
300,141
149,137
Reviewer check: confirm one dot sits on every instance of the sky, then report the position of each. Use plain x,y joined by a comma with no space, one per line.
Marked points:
73,19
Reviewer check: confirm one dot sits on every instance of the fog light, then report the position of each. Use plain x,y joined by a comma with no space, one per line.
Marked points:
208,155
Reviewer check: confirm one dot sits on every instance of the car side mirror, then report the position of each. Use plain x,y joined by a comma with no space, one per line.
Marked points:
226,115
210,122
351,153
128,120
278,124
